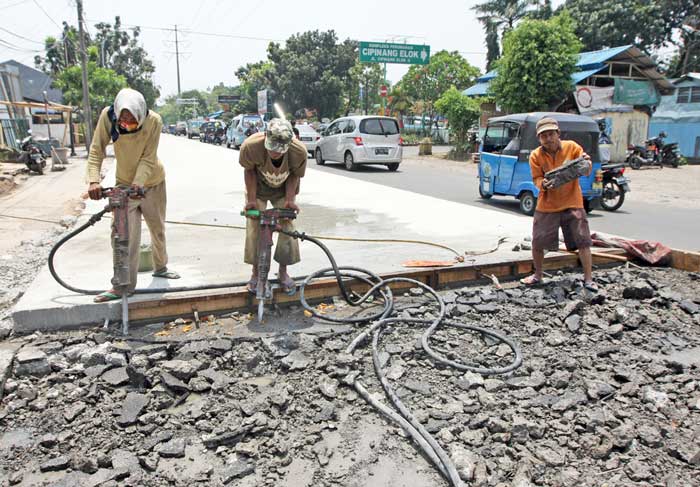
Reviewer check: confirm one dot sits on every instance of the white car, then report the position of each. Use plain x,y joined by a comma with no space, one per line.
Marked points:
309,137
361,140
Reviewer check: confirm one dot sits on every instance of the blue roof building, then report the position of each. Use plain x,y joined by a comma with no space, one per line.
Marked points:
678,114
620,85
623,62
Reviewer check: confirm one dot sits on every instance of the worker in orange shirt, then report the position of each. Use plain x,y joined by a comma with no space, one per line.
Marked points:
558,207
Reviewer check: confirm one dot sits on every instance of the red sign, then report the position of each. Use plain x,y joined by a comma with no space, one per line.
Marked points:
382,91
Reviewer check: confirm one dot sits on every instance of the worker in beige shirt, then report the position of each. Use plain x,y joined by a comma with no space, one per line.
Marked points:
134,131
274,163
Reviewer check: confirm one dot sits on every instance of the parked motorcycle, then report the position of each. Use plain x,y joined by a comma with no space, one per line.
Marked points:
615,185
670,155
218,137
32,155
654,152
643,155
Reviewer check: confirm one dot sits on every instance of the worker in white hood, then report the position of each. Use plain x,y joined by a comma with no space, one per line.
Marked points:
135,132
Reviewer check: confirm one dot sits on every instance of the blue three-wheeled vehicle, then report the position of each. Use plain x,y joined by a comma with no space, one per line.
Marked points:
504,167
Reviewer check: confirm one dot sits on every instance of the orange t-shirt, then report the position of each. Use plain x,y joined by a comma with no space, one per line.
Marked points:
565,196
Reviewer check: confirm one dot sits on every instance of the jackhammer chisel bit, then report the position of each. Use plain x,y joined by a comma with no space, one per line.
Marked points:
118,204
269,222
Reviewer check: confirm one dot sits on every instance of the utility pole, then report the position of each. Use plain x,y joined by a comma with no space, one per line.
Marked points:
83,63
177,61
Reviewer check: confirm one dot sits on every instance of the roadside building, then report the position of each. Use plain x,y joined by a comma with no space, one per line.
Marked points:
26,86
620,85
678,114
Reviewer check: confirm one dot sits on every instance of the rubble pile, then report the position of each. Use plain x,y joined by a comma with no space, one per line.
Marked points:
608,394
18,270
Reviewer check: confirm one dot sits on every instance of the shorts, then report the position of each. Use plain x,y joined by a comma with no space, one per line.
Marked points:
574,226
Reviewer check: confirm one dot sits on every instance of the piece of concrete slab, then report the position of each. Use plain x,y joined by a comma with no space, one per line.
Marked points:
7,355
332,205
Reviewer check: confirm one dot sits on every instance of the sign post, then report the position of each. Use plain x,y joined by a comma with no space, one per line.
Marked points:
384,52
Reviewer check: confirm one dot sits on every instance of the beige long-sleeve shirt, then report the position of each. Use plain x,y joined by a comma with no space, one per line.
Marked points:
136,153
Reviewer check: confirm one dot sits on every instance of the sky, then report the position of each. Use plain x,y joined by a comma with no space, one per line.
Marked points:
238,32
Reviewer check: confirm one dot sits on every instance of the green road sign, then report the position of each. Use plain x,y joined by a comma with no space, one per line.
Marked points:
381,52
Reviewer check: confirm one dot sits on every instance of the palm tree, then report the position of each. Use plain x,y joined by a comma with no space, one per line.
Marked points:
399,101
500,16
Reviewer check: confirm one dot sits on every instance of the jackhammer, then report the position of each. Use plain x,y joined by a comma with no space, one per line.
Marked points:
118,204
269,221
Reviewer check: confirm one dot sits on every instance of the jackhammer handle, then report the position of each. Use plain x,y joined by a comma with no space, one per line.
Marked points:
250,213
129,191
284,213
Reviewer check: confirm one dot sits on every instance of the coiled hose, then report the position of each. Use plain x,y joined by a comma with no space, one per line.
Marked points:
380,320
94,219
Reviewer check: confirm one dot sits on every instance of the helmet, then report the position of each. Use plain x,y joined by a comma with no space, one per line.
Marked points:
663,134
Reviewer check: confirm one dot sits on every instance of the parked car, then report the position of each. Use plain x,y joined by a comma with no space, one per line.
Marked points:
504,157
241,127
193,127
309,137
361,140
181,128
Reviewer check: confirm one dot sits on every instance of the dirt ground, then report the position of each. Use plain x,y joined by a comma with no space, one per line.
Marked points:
54,197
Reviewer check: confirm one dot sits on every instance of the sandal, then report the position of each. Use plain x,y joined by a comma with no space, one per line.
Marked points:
288,286
166,274
530,280
591,286
106,296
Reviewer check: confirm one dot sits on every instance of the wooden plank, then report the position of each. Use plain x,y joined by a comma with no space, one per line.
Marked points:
685,260
225,300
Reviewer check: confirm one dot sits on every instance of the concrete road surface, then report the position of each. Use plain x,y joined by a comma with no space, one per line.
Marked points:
205,185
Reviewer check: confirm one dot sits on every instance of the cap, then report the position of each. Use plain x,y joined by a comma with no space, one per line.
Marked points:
545,124
278,135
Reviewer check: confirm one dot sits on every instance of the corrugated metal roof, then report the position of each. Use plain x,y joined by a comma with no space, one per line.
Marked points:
34,83
581,75
591,59
481,88
478,89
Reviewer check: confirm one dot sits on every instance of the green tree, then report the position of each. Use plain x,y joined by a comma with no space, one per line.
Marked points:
253,77
123,53
311,70
426,83
538,60
687,58
462,113
103,84
60,52
647,24
370,76
113,48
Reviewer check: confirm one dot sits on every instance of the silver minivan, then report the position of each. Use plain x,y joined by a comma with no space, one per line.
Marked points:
362,139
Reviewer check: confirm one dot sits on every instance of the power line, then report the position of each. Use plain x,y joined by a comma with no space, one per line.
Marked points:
20,37
14,47
45,13
14,4
195,32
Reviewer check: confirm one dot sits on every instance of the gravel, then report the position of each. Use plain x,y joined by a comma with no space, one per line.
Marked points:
608,394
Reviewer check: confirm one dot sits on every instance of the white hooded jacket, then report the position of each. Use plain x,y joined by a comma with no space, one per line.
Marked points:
136,152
